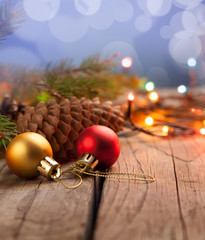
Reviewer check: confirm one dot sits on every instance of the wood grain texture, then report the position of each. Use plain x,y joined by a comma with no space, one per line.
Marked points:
170,208
190,181
40,209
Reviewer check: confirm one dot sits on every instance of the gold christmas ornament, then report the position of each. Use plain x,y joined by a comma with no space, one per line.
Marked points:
30,154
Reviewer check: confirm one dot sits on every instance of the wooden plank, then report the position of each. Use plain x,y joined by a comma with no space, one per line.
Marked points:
190,176
40,209
170,208
142,211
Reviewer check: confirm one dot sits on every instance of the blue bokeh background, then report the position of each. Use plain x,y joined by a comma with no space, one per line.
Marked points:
159,35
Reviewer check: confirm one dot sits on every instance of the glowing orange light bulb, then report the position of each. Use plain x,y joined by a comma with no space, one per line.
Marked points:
202,131
131,96
149,121
154,96
197,111
165,130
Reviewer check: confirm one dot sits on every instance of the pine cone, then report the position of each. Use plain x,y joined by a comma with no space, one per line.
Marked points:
11,108
61,123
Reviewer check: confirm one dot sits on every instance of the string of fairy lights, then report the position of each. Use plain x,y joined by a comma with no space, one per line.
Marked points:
165,115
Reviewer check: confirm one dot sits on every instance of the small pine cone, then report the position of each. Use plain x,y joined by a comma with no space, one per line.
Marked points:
61,123
11,108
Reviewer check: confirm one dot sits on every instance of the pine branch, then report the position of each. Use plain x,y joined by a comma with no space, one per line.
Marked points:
11,17
90,64
7,130
92,78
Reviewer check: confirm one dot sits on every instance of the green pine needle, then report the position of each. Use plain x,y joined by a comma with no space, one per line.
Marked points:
11,17
92,78
7,131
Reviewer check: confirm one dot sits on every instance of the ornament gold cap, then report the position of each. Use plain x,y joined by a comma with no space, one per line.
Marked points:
49,168
86,161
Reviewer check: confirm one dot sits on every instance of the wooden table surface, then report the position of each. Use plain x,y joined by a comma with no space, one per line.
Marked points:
173,207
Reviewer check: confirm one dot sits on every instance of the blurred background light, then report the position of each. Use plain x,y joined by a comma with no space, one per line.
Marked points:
124,10
149,121
126,62
159,7
72,30
131,96
202,131
87,7
125,49
191,62
160,36
154,97
149,86
182,89
143,23
41,10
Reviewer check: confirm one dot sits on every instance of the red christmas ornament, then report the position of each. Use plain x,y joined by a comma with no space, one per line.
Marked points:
100,141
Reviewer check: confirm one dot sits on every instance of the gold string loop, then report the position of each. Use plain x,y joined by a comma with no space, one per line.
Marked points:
116,175
85,169
71,171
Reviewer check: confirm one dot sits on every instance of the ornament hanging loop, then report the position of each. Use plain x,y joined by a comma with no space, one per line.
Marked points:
73,186
120,175
49,168
86,162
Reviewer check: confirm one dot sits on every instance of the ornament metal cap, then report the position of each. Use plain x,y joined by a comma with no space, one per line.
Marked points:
49,168
86,161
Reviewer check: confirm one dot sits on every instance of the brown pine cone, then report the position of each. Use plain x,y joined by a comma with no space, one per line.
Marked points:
61,123
11,108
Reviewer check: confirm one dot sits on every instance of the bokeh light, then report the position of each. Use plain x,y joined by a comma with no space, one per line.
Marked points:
41,10
202,131
125,49
149,121
131,96
182,89
182,49
123,10
187,4
126,62
165,130
189,21
191,62
87,7
197,111
159,7
143,23
99,21
176,22
62,29
75,28
154,96
149,86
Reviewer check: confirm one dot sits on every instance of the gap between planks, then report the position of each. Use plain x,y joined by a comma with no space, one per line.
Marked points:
40,209
163,209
